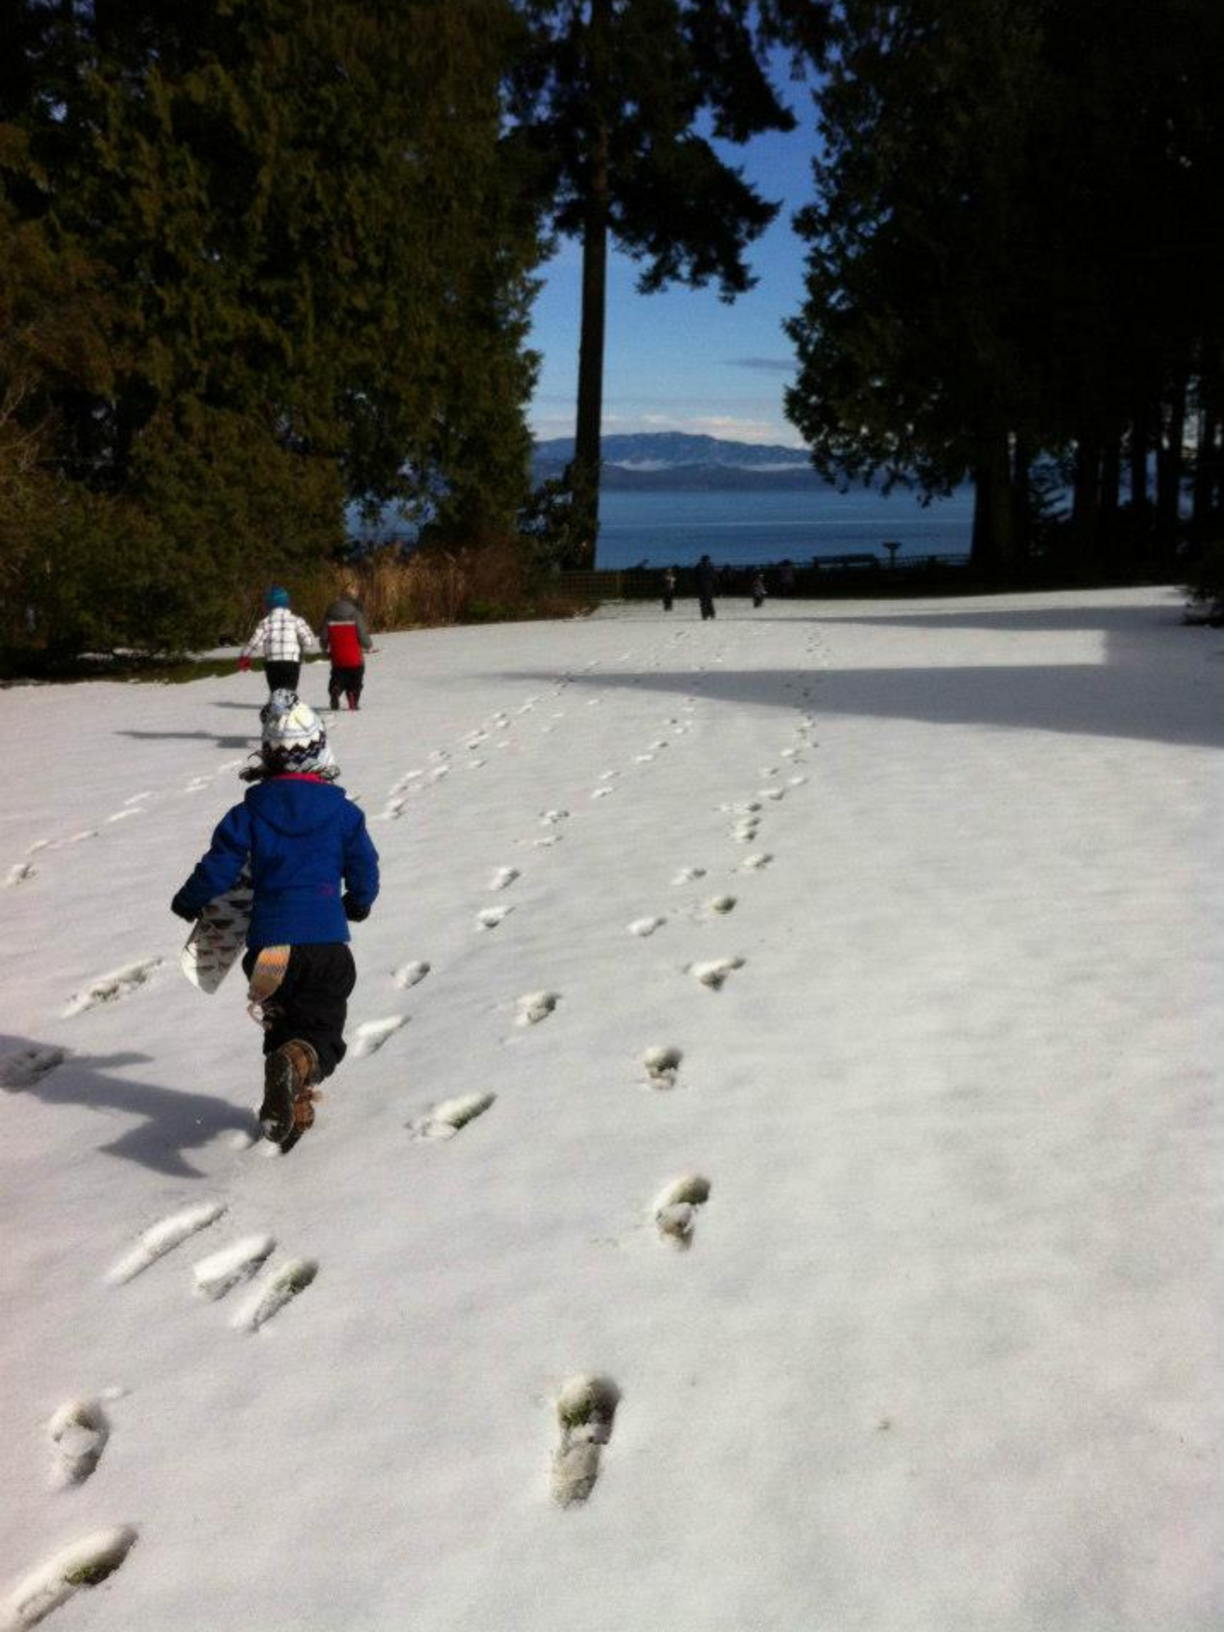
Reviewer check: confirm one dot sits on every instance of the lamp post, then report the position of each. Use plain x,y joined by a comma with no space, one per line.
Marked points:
892,545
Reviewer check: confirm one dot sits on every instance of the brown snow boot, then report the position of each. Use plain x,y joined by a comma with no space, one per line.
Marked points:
290,1074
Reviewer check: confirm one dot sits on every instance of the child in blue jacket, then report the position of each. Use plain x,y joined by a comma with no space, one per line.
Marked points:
305,844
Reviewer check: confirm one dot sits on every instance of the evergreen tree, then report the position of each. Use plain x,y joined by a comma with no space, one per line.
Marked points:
314,256
1011,244
613,102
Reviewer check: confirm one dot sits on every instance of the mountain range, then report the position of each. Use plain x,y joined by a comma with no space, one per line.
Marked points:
673,460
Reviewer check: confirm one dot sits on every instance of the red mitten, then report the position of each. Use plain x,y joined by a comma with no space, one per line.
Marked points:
244,664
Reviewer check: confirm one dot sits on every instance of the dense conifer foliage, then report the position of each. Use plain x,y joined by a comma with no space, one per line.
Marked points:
1016,249
258,259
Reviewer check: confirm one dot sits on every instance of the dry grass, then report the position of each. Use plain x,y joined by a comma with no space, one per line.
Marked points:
432,589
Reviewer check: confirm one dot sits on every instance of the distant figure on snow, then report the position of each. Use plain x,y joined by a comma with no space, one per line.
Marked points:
669,588
280,638
706,582
345,637
313,870
758,589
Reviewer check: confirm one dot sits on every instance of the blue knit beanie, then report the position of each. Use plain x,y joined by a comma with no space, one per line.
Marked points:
276,597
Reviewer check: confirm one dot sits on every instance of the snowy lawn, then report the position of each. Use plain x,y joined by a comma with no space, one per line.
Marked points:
775,1185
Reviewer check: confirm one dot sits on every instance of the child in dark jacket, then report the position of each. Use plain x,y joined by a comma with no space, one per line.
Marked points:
345,637
303,841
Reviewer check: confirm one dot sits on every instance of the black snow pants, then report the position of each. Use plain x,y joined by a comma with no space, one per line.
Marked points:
311,1002
282,676
345,683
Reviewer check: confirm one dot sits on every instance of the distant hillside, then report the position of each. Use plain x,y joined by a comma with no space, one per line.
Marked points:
672,460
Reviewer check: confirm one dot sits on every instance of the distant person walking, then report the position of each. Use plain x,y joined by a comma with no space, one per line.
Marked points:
706,582
280,638
345,637
669,588
758,589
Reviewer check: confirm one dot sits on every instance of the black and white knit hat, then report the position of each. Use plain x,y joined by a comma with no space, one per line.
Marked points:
294,739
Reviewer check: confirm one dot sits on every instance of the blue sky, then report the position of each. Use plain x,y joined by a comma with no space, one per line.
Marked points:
682,360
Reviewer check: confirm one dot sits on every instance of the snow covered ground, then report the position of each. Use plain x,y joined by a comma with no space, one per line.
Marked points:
783,1090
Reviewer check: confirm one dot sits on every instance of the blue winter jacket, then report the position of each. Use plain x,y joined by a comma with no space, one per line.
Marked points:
304,841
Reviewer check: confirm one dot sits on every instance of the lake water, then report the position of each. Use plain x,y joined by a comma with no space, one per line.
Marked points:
750,527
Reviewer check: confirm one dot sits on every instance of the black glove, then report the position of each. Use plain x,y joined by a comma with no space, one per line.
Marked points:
187,914
354,911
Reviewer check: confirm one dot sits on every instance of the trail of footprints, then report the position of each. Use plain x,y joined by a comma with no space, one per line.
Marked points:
587,1404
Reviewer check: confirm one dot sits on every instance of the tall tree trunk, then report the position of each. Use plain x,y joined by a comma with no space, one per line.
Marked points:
1209,453
584,473
1170,462
991,546
1139,436
1022,498
1111,480
1086,501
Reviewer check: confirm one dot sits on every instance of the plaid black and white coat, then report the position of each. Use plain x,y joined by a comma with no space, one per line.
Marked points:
281,637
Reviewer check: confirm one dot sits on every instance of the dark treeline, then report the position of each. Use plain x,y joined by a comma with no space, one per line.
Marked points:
261,260
258,259
1015,268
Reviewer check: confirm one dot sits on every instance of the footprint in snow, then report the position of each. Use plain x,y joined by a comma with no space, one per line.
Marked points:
754,863
277,1289
550,818
718,906
19,874
675,1208
163,1237
438,772
108,988
534,1007
643,759
714,973
547,841
83,1563
78,1433
224,1270
646,926
503,878
744,832
490,917
687,875
796,781
26,1066
662,1064
445,1119
372,1034
409,974
586,1407
772,793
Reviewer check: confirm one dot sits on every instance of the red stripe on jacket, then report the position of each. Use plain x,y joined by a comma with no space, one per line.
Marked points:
344,646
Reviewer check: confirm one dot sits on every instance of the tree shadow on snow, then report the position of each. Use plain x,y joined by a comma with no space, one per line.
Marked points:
1138,687
170,1123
